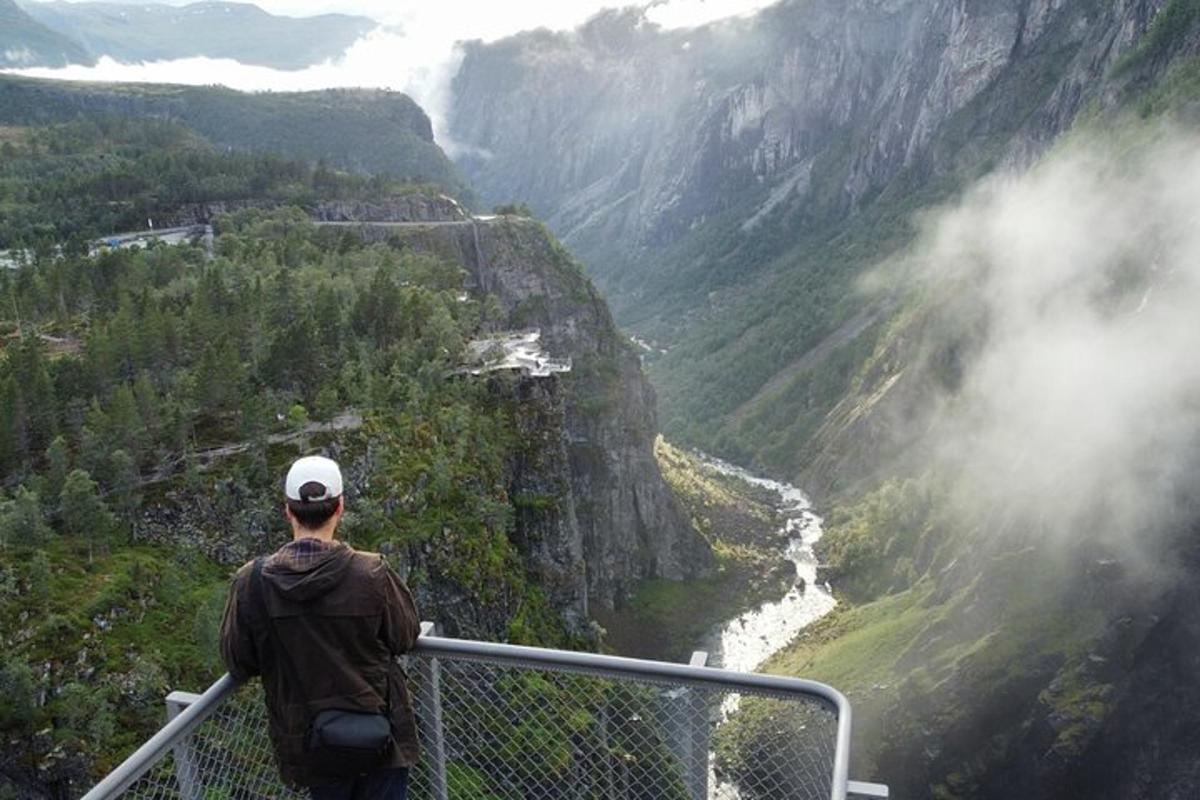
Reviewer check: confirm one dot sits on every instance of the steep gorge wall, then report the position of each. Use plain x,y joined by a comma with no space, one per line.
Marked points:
726,186
627,136
1013,668
628,524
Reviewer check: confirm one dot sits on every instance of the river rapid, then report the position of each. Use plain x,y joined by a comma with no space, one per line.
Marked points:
746,641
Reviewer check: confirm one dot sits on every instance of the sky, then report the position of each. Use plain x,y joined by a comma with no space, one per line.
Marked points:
413,50
508,17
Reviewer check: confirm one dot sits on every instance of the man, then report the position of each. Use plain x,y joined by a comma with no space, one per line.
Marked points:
322,624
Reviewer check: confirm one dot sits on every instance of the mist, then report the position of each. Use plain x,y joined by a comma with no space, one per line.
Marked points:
416,49
1081,406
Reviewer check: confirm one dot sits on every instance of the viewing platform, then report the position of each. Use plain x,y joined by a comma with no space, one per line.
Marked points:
506,722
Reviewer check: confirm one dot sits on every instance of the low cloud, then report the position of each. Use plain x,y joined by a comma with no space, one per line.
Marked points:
1081,405
415,50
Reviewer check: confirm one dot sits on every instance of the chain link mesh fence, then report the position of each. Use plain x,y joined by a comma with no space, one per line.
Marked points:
496,731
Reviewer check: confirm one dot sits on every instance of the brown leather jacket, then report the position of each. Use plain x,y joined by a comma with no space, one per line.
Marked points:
340,619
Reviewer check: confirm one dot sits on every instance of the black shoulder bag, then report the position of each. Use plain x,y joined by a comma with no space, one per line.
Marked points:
339,742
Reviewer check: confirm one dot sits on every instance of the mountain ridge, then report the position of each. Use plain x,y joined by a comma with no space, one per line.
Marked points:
362,130
793,161
25,42
244,32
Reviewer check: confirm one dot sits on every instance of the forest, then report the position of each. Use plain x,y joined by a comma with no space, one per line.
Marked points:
150,400
361,131
63,185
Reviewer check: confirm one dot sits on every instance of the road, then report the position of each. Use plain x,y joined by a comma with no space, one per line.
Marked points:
346,421
436,223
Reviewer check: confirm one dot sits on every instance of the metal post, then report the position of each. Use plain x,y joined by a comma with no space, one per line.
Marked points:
187,772
607,768
433,736
686,728
696,765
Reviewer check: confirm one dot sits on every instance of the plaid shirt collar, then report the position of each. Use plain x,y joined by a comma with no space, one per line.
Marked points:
301,553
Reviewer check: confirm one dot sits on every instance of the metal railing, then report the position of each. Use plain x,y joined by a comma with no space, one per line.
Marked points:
505,722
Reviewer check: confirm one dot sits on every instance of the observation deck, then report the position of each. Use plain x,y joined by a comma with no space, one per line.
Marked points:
506,722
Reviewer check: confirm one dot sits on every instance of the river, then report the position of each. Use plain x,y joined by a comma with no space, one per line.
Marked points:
745,642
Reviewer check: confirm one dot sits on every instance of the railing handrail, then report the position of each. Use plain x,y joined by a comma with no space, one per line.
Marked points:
520,655
146,756
431,646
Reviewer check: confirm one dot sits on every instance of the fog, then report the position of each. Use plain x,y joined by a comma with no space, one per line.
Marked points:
414,50
1082,404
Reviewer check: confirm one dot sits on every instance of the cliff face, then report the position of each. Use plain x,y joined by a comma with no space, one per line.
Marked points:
626,523
626,136
593,514
726,186
730,200
631,525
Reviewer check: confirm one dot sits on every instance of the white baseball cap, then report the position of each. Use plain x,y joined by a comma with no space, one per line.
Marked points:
314,469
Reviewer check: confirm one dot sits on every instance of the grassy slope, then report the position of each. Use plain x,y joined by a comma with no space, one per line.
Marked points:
144,619
972,649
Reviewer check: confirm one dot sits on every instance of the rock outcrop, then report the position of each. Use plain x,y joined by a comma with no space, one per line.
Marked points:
628,524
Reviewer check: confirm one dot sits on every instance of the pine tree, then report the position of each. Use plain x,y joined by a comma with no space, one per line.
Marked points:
326,404
125,427
93,456
36,392
219,378
192,479
125,485
148,405
103,723
38,577
100,359
18,695
84,512
11,424
22,523
58,463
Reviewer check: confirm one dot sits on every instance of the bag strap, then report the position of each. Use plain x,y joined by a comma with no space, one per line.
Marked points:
258,590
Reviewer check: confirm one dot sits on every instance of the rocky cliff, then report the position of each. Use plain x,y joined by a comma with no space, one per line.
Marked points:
629,525
593,515
625,131
725,186
1007,633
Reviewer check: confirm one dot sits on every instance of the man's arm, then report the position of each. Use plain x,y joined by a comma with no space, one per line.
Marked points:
237,637
401,623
